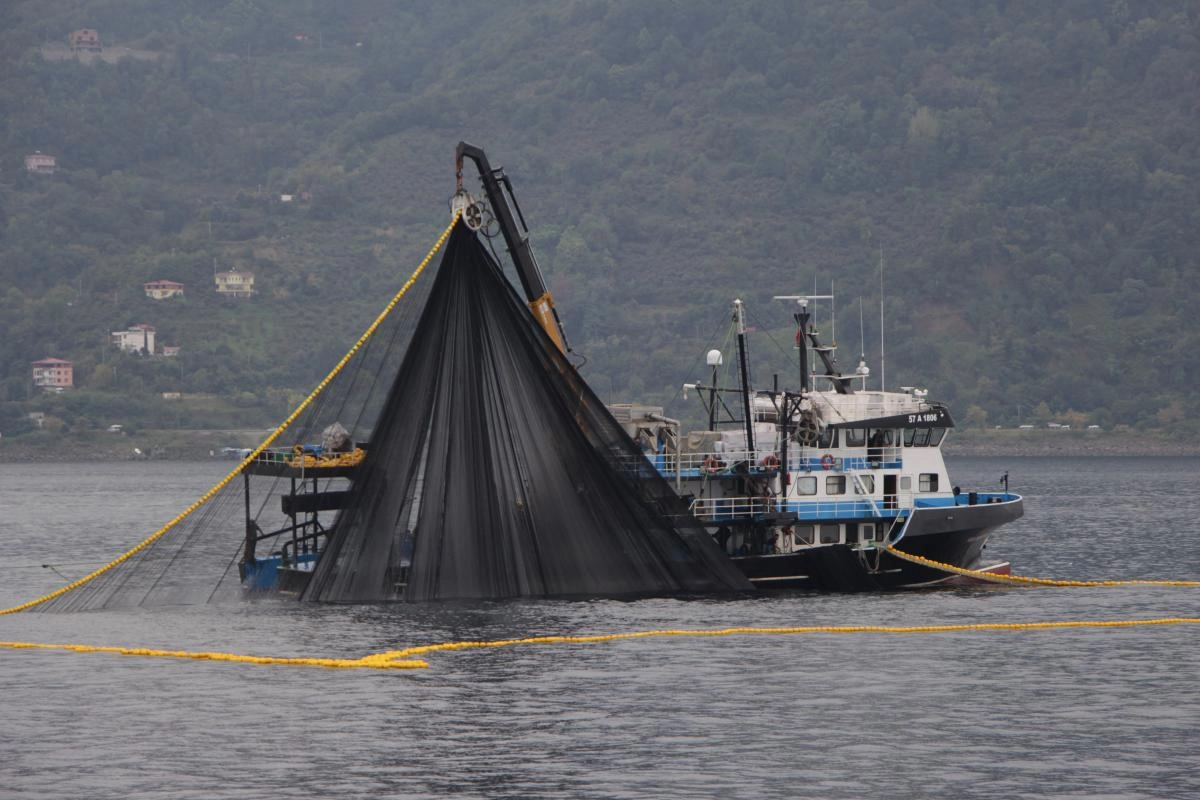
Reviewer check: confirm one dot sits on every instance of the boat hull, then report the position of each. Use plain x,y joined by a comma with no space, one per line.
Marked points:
953,535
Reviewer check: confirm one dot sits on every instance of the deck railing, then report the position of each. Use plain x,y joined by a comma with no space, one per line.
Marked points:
722,509
693,465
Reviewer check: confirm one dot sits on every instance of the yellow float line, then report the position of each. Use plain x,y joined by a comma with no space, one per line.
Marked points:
368,662
1020,579
889,629
403,659
255,453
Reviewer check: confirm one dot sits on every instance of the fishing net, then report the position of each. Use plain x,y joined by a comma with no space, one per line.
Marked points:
457,455
197,559
495,471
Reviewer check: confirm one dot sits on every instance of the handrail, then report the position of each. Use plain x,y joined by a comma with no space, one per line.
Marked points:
720,508
808,459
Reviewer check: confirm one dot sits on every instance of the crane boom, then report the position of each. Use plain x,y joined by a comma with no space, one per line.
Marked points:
503,202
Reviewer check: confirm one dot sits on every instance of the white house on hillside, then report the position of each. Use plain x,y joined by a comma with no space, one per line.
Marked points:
41,163
138,339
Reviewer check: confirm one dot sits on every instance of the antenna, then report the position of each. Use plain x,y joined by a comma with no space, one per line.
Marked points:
882,362
862,370
832,317
862,334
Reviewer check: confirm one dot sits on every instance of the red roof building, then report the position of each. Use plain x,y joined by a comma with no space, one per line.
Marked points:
161,290
85,40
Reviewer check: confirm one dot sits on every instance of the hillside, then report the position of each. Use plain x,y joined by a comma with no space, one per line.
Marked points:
1027,172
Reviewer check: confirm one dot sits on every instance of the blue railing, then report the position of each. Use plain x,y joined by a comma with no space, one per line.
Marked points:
966,499
724,509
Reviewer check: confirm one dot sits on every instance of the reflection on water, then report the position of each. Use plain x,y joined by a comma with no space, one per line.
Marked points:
1073,713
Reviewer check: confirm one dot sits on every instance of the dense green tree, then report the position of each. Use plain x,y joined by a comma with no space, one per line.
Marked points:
1028,172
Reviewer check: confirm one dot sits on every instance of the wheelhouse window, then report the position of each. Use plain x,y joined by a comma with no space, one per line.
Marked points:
916,437
935,436
928,482
828,438
868,485
830,534
835,484
806,485
856,437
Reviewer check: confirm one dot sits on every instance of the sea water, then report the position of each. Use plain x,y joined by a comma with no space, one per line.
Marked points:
1051,713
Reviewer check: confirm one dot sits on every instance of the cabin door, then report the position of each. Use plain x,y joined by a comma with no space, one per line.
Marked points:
889,491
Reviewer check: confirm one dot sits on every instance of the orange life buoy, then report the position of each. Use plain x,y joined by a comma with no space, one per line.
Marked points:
827,461
769,461
713,465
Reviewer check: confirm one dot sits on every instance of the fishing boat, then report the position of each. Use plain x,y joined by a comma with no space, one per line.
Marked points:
821,486
810,487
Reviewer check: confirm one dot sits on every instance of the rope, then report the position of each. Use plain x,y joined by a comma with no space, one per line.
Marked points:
370,331
403,659
838,629
367,662
1019,579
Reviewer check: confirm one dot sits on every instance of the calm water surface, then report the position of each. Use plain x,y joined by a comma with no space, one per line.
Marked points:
1075,713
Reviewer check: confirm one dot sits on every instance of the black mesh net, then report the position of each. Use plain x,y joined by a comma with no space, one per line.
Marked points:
491,470
495,471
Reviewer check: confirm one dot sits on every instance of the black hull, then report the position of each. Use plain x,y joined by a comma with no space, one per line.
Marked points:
954,535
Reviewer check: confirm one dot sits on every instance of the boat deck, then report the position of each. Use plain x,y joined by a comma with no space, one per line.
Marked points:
306,462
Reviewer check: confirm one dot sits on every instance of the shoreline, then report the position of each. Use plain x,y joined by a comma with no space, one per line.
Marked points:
206,445
143,446
1046,444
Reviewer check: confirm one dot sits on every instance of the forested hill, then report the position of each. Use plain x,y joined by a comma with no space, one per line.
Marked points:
1027,171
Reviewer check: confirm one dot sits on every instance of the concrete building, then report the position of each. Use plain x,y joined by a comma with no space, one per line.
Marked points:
138,339
234,283
41,163
54,374
85,40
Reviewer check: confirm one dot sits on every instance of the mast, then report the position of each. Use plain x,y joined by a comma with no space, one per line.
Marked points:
806,334
802,317
739,318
